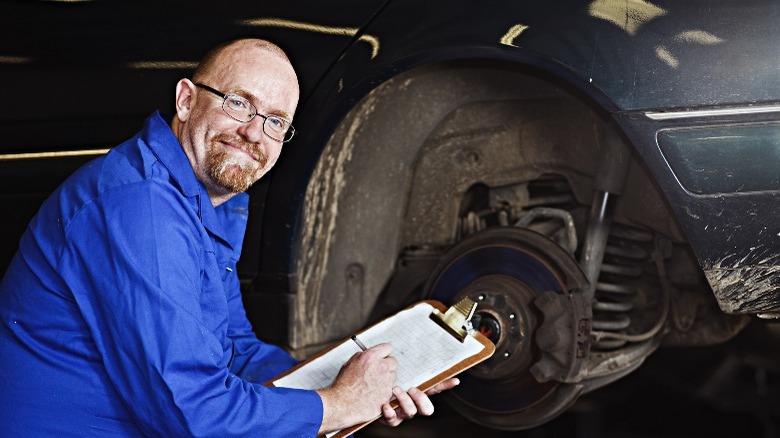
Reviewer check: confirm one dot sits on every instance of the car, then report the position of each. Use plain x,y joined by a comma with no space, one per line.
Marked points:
602,177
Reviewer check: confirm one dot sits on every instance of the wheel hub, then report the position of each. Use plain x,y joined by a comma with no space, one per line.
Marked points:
505,270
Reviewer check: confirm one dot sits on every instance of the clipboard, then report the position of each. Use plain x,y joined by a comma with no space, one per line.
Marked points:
430,341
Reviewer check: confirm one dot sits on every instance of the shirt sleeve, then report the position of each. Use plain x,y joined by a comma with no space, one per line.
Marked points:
137,269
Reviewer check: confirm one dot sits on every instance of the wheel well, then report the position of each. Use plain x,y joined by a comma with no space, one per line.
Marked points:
396,170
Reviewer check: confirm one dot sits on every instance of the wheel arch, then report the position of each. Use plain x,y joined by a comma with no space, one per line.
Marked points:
355,211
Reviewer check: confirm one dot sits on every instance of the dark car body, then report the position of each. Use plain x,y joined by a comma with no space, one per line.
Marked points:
436,142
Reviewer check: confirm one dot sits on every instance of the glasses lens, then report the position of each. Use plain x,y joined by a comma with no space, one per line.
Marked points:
238,108
278,128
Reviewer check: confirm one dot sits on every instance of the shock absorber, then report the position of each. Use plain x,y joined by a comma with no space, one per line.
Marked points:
608,183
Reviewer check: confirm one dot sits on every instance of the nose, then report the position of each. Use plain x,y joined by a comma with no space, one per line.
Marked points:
252,130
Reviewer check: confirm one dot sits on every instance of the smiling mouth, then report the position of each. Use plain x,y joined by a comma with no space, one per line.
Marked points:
251,155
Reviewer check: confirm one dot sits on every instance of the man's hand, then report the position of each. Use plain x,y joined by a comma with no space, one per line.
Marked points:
413,402
362,386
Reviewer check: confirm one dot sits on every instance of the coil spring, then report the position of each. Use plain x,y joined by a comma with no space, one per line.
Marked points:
618,282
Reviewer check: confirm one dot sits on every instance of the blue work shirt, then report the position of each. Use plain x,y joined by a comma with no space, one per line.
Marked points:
121,315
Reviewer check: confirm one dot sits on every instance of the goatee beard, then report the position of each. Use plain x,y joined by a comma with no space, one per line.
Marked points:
230,173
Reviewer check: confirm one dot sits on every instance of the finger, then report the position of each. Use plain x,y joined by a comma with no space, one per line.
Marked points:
389,416
407,408
443,386
422,403
392,363
381,350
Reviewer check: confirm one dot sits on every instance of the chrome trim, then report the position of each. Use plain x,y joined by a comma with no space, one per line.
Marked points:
669,115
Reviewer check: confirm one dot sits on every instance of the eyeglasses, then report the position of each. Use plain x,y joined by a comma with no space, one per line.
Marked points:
242,110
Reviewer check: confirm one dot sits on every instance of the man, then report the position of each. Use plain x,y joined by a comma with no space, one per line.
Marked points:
120,315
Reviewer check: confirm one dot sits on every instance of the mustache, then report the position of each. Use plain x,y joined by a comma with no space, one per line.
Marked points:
252,148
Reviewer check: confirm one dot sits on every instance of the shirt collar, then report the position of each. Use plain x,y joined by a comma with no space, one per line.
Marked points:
158,135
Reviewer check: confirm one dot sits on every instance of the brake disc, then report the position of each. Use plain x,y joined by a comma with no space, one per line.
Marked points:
523,283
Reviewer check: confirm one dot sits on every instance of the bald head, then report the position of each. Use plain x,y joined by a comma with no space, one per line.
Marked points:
218,57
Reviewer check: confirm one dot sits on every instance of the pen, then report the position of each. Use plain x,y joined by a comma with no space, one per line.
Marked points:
360,344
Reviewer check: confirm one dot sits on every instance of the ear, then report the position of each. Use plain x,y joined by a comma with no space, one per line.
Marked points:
185,91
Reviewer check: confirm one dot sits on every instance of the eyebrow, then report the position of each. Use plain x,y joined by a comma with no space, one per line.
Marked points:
251,97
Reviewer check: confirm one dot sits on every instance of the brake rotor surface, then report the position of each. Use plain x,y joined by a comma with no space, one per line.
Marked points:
504,270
